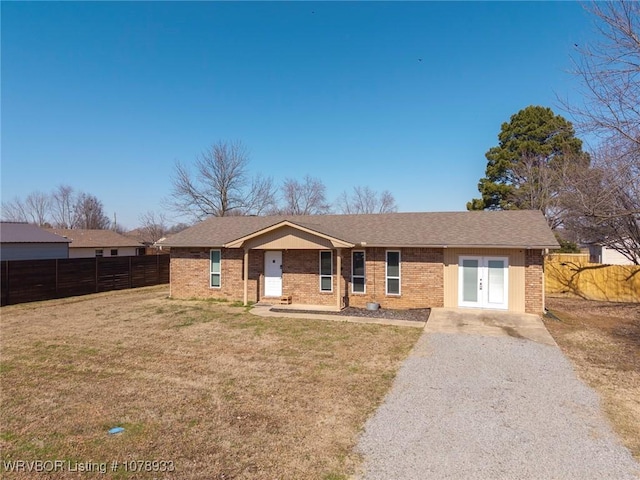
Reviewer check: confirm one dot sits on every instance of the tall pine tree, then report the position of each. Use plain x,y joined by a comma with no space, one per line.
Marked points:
536,148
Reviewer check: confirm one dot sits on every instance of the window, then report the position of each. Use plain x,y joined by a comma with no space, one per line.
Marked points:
393,272
357,272
140,251
114,252
326,271
215,268
99,253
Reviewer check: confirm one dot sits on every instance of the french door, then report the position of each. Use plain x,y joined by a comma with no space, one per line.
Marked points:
483,282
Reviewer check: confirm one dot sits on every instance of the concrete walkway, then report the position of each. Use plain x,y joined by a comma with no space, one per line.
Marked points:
441,320
265,311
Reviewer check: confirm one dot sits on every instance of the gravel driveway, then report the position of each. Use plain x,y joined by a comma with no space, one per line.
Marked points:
470,406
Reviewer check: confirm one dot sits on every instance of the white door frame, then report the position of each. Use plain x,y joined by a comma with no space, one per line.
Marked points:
273,273
492,286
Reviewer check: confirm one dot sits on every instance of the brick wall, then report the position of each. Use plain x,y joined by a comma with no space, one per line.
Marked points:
301,279
190,270
422,274
533,282
421,279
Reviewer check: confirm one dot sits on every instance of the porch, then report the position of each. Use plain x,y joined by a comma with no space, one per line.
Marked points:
298,268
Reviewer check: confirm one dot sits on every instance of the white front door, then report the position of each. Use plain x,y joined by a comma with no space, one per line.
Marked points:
272,273
483,282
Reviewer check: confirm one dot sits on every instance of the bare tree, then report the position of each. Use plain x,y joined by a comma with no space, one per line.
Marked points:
34,209
261,196
366,200
88,213
540,184
14,211
220,185
178,227
304,198
604,201
609,71
153,226
37,204
62,206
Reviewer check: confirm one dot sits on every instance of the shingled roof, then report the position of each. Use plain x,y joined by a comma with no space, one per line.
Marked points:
81,238
506,229
20,232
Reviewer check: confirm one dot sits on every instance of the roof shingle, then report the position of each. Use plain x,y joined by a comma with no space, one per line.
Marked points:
81,238
512,228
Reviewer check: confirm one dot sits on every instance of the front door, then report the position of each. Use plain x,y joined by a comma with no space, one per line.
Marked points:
483,282
272,273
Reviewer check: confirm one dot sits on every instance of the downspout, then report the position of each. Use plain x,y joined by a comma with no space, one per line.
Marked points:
544,252
245,274
338,277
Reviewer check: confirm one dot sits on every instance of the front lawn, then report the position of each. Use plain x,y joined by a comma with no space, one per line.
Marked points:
212,391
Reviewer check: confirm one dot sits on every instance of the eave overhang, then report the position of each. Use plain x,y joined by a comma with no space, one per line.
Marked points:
244,241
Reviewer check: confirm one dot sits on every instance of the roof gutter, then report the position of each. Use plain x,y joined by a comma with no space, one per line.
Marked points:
372,245
483,246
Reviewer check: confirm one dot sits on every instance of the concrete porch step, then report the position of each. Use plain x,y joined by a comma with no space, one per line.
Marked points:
281,300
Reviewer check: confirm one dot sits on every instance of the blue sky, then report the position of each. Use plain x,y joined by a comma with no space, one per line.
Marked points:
408,97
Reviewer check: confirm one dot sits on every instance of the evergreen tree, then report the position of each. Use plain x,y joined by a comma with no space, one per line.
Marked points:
536,149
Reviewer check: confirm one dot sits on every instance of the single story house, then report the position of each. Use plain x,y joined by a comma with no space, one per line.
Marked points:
87,243
24,241
485,259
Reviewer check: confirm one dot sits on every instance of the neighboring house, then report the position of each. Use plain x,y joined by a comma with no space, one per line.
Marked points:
142,235
23,241
607,256
400,260
98,243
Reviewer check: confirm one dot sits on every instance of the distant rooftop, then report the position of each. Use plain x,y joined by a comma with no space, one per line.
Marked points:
20,232
81,238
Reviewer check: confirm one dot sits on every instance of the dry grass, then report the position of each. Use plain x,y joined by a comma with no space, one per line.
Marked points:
603,341
221,393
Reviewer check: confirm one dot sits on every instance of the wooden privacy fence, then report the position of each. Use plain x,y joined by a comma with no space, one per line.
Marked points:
573,274
33,280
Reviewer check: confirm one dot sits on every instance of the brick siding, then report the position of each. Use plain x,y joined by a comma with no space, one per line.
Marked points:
533,282
422,277
422,274
190,274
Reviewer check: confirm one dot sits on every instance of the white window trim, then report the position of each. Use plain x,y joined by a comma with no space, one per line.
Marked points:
320,276
386,273
211,272
364,277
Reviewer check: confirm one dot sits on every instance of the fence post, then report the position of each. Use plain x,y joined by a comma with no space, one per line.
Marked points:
130,273
7,270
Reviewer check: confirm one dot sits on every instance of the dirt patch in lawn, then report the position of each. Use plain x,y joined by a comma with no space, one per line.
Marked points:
603,341
216,391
